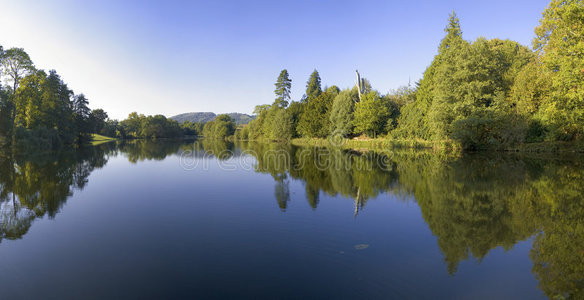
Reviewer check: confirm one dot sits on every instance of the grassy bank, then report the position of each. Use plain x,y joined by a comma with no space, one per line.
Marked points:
377,144
551,147
97,139
449,146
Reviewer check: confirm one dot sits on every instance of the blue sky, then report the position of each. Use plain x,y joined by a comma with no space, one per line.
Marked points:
170,57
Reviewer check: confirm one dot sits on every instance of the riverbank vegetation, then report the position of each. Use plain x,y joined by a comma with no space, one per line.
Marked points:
38,109
474,95
484,94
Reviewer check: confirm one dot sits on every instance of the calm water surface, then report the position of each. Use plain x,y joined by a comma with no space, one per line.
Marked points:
210,219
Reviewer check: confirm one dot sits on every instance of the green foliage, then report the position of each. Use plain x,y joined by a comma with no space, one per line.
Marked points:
192,128
283,125
342,110
560,43
159,126
273,123
256,126
315,120
313,86
97,119
531,89
242,133
44,100
5,118
283,85
16,64
398,99
332,89
37,138
220,128
39,109
371,115
470,94
140,126
279,125
295,111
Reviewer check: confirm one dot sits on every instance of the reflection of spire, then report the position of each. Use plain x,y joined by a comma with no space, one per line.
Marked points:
312,195
358,202
282,191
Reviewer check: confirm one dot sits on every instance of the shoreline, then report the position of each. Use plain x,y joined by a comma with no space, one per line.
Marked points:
441,146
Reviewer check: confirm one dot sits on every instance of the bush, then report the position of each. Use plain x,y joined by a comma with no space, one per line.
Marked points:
40,138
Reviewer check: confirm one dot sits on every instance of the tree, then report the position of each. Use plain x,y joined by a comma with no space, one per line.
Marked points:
28,101
420,118
283,85
260,108
56,109
295,111
256,127
220,128
268,125
98,118
560,43
81,113
81,106
446,90
399,98
529,96
342,110
191,128
282,125
371,115
333,89
315,120
313,88
41,108
5,118
132,125
16,64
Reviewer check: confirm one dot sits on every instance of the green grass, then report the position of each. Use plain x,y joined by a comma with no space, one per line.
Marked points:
97,139
576,147
380,144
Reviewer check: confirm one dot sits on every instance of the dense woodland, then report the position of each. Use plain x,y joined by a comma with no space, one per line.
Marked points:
38,110
486,94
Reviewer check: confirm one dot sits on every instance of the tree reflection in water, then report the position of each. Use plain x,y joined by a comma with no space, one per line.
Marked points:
34,185
472,203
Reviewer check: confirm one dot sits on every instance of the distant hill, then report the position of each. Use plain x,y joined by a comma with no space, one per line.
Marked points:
204,117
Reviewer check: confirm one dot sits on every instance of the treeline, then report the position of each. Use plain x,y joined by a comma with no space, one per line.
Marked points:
38,109
220,128
325,112
486,94
139,126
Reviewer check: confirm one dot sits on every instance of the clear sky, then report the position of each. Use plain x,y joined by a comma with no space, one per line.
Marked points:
171,57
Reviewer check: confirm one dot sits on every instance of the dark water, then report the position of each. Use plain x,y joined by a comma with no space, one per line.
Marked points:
212,220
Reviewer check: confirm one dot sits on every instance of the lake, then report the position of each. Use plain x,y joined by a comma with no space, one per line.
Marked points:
207,219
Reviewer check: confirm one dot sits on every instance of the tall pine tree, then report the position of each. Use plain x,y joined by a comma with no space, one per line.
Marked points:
313,87
283,85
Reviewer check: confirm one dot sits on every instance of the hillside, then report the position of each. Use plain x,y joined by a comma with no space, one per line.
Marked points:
204,117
